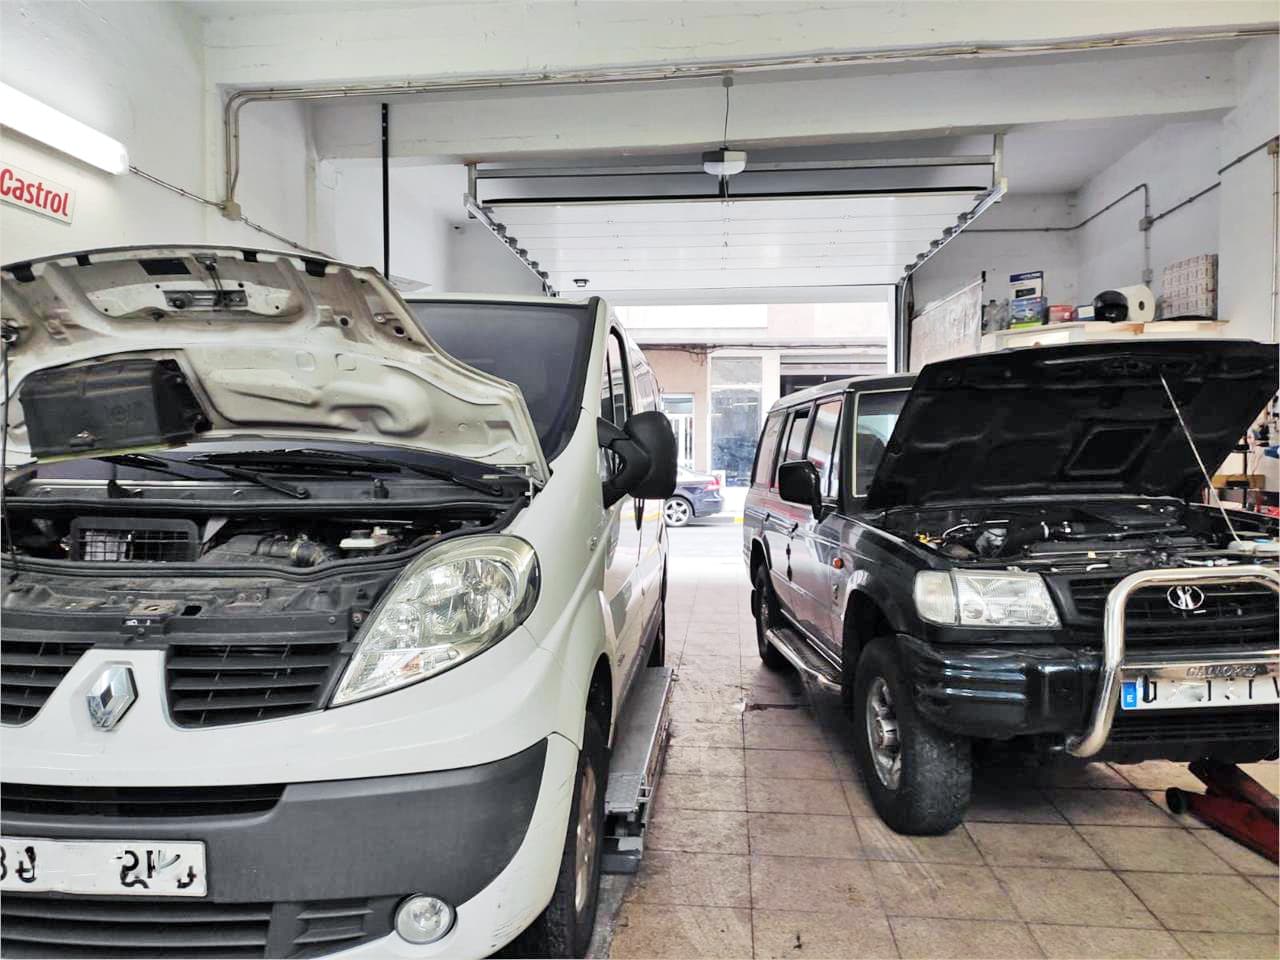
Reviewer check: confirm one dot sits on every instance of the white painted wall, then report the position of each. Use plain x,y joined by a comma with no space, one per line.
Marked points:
425,202
432,241
273,43
804,105
1177,161
1246,201
479,263
135,71
1001,254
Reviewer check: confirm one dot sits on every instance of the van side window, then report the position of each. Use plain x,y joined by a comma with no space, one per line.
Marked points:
767,451
822,440
793,449
614,405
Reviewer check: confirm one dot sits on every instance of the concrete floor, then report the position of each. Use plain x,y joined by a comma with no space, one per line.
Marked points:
763,841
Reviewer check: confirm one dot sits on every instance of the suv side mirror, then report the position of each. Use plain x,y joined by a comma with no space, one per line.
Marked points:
646,446
798,482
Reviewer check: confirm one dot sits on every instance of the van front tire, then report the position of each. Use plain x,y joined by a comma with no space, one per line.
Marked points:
564,928
919,776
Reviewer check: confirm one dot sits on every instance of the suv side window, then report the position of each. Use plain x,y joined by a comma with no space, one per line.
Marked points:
822,441
876,416
615,405
767,451
793,449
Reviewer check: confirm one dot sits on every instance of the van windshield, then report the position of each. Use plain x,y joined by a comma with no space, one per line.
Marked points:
541,348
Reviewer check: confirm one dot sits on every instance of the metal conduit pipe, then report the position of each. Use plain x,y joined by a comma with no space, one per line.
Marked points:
238,99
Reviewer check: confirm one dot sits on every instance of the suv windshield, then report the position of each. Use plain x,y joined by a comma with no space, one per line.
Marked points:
541,348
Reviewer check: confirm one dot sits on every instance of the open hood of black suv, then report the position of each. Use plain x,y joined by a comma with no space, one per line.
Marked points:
1072,420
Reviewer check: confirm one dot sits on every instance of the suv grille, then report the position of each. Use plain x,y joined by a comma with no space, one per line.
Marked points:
134,927
1243,615
38,800
32,665
1235,725
214,679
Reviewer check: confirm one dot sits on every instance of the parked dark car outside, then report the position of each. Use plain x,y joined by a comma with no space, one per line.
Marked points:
697,495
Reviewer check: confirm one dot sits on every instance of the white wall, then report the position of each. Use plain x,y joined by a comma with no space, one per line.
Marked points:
135,71
1002,254
432,241
425,202
479,263
286,43
1176,162
1245,199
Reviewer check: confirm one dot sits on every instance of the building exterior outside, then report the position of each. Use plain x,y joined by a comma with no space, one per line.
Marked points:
721,367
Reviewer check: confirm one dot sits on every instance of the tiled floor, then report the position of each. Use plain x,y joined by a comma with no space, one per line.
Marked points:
764,843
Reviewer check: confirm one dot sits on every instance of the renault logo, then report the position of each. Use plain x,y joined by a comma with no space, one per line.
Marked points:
1185,598
110,696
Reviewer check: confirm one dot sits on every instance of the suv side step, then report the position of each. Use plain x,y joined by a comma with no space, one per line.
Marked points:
639,748
800,653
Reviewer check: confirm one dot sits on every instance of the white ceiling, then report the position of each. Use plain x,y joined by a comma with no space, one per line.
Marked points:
720,244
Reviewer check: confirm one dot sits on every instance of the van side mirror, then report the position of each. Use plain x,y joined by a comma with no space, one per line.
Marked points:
798,482
646,447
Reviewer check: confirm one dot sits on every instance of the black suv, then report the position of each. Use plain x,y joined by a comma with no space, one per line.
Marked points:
1011,546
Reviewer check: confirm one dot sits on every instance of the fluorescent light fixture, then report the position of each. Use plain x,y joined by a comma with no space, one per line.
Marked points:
724,162
39,121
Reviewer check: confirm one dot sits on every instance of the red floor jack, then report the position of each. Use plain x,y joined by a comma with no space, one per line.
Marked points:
1235,805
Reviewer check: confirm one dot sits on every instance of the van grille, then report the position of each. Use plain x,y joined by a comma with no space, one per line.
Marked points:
213,679
136,927
31,666
56,801
1232,615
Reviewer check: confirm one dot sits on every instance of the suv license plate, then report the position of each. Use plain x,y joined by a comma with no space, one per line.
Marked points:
139,868
1200,685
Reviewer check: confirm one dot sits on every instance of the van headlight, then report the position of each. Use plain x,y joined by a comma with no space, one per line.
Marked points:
974,599
450,604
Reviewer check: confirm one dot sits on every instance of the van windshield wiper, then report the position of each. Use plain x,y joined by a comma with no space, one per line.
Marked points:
164,465
349,463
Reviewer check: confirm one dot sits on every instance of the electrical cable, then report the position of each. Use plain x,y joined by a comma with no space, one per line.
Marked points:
152,178
1213,492
728,83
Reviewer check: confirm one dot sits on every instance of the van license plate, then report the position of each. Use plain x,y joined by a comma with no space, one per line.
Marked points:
1200,685
139,868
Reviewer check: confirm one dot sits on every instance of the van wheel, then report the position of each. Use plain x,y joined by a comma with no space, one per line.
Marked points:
564,928
658,652
918,776
764,609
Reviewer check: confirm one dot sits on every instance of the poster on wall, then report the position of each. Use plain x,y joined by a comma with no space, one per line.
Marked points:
30,191
950,327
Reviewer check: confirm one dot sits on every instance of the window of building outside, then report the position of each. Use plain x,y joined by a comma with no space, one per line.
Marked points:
679,410
735,416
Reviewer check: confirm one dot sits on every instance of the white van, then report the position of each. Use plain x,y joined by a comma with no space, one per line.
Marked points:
319,609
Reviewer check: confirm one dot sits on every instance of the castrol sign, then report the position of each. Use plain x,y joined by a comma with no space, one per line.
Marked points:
28,190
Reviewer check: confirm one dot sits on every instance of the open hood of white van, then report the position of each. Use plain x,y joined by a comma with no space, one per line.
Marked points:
271,345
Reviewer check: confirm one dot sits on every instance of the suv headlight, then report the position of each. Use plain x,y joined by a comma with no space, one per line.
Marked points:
449,605
973,599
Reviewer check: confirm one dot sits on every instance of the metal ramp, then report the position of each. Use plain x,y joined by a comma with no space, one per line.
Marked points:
638,751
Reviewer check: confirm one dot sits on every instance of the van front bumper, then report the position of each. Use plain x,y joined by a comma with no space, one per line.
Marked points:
329,862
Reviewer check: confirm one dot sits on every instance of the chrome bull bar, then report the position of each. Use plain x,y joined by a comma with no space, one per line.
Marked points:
1098,730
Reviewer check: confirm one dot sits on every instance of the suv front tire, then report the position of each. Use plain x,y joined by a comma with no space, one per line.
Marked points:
919,777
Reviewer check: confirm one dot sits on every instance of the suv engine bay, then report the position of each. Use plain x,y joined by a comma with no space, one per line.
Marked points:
1089,535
